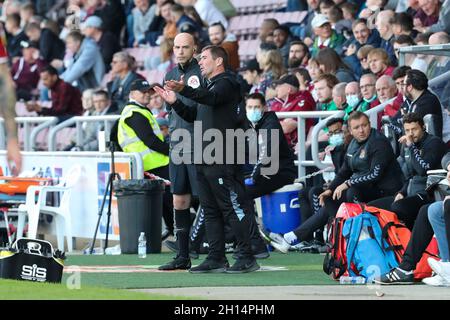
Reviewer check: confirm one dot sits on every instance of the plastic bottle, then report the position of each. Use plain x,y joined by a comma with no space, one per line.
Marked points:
142,246
352,280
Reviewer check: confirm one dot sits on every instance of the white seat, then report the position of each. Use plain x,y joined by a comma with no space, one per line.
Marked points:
61,213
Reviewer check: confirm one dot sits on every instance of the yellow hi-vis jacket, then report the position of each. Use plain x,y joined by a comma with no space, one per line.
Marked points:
130,142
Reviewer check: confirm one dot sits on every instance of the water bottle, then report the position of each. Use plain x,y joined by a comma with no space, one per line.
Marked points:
352,280
142,246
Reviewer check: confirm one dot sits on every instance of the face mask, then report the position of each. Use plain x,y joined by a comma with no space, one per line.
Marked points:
336,139
254,115
371,99
352,100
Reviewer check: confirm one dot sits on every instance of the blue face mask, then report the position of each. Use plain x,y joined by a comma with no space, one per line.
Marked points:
352,100
336,139
254,115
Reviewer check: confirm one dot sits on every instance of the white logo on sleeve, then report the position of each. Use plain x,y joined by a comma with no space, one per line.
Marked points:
193,82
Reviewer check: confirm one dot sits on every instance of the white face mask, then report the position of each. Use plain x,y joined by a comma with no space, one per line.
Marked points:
352,100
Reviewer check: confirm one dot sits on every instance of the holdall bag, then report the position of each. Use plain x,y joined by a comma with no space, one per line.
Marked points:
32,260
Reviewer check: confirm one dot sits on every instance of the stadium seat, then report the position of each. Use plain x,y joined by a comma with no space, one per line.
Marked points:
62,213
140,54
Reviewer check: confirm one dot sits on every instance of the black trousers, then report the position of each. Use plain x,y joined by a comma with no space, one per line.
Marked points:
354,194
224,199
167,213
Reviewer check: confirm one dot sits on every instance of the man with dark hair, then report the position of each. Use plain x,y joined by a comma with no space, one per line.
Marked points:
403,24
66,99
298,55
221,184
419,153
420,100
219,37
267,28
281,38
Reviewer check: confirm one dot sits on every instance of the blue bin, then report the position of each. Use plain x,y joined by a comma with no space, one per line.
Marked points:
281,209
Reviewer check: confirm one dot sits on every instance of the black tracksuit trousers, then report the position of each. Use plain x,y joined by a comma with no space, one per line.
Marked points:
223,198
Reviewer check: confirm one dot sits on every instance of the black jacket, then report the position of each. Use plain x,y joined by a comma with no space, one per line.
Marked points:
417,159
286,157
51,46
218,108
370,163
427,103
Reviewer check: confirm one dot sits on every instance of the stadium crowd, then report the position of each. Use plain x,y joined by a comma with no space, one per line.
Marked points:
83,57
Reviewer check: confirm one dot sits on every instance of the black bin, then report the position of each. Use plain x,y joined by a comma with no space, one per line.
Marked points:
140,210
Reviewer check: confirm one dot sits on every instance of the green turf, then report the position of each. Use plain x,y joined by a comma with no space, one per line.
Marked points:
26,290
303,269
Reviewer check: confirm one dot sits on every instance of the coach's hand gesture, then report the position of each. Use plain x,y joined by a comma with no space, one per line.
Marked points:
174,85
168,96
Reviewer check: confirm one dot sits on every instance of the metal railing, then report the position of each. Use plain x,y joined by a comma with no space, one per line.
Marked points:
77,121
29,132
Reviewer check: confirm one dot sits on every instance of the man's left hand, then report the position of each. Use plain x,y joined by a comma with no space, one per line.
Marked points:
338,191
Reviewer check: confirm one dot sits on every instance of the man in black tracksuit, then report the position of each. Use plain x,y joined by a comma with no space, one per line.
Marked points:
370,171
419,153
221,185
419,100
183,176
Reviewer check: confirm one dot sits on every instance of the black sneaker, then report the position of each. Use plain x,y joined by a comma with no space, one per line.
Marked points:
396,276
243,266
178,263
210,266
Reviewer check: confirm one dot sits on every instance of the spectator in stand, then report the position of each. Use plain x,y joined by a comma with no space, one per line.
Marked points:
386,88
165,62
50,46
349,11
368,92
379,62
304,79
325,36
385,28
325,6
143,15
314,72
27,11
112,14
440,64
252,74
427,14
267,28
86,70
324,85
398,76
289,98
371,7
271,63
106,41
219,37
282,38
362,54
338,94
207,11
103,106
182,19
298,54
443,23
305,30
403,25
353,98
156,104
119,87
412,60
66,99
159,23
25,71
15,35
331,62
338,23
87,102
362,36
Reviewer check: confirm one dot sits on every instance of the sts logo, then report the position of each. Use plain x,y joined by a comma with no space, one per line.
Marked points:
33,273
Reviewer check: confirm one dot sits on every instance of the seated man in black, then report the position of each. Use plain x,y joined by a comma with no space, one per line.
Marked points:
370,171
419,152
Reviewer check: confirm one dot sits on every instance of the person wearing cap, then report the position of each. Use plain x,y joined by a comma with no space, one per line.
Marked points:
87,68
26,70
326,37
106,40
251,73
290,98
220,179
66,99
138,131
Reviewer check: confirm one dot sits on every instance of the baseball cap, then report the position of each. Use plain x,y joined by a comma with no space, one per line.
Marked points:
29,44
140,85
251,65
92,22
319,20
288,79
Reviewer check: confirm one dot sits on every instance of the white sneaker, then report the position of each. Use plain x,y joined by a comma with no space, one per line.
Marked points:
436,281
440,268
278,242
